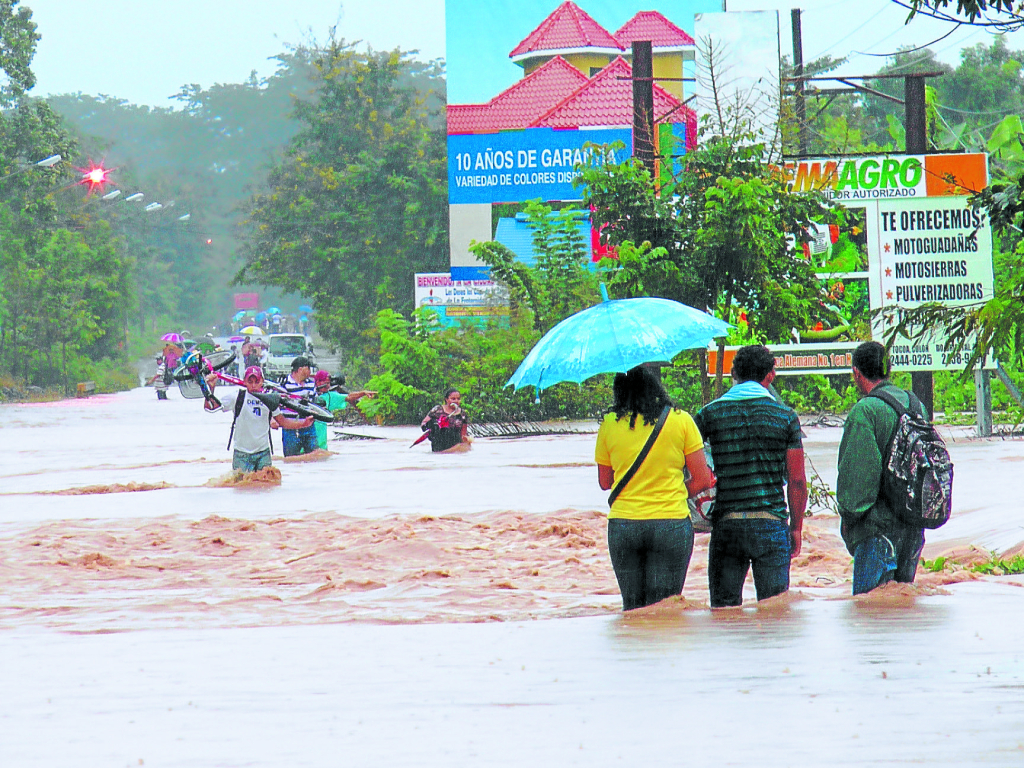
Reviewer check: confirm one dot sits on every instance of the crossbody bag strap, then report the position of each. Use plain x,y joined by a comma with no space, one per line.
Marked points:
640,457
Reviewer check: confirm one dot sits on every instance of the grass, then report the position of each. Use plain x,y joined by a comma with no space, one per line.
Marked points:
997,566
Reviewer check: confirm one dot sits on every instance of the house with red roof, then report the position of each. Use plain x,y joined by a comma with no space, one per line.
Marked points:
576,75
576,91
571,33
670,45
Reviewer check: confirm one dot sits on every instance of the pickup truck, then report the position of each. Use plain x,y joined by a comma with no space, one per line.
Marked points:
283,348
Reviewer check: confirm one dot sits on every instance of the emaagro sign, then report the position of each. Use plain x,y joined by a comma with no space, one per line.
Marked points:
890,176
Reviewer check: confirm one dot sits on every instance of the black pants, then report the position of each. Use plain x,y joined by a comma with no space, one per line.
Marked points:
650,558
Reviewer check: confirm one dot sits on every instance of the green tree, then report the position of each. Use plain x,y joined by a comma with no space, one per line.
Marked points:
559,283
1002,14
720,237
18,38
359,203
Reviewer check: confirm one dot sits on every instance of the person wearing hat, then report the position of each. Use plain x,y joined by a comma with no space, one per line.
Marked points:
250,428
300,384
333,400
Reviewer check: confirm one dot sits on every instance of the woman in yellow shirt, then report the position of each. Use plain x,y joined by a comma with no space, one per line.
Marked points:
650,534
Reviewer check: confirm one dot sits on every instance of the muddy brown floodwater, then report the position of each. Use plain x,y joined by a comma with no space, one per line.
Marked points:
403,608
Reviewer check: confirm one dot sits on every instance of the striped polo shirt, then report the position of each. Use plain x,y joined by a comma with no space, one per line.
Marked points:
306,389
749,439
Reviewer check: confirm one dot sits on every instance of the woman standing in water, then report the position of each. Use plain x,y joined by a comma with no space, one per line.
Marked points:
447,424
650,534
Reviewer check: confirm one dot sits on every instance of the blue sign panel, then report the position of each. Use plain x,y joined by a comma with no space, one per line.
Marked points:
515,166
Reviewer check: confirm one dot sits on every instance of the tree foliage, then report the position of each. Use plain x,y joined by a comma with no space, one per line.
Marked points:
1001,14
359,203
64,301
720,237
559,283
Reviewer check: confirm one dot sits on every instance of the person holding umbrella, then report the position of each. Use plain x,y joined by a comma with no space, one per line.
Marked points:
643,447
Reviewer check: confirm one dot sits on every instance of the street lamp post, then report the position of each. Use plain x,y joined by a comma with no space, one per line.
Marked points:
46,162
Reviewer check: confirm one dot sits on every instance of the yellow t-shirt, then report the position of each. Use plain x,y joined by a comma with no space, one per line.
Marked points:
657,490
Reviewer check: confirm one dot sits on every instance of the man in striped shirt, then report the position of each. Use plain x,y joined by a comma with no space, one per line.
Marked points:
756,448
299,382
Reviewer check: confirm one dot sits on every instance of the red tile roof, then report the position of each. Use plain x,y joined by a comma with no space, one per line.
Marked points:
651,25
518,106
607,100
567,28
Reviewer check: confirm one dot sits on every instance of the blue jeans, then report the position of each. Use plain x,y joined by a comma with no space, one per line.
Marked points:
877,560
650,558
738,545
250,462
298,441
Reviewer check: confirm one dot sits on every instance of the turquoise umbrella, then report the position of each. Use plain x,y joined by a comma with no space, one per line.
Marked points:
613,337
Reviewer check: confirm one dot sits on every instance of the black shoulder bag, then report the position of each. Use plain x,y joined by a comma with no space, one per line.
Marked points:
640,457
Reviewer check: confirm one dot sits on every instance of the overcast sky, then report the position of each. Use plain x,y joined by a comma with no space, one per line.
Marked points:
145,50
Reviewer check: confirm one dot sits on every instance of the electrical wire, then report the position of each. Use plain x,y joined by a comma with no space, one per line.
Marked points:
1015,23
906,50
885,4
973,111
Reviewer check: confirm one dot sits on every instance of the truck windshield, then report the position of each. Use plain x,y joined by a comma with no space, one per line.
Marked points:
283,346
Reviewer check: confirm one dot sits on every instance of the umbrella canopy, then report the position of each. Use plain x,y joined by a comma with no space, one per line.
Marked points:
274,311
613,337
238,315
305,308
175,337
252,330
235,339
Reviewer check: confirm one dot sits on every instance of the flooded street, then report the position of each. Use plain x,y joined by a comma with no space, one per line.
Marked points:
386,606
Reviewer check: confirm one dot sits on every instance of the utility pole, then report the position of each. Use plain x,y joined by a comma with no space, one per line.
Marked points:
798,73
643,104
917,144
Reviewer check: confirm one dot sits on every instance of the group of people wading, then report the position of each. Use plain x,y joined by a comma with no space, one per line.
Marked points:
644,446
652,457
255,415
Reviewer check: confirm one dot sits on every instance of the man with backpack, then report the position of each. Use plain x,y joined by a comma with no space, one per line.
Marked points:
884,513
253,413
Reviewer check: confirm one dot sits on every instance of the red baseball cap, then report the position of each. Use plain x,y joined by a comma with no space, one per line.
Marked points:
253,370
321,377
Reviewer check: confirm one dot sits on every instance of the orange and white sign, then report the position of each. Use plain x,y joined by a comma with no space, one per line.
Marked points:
890,177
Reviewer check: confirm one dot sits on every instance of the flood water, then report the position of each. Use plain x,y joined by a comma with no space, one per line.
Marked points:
386,606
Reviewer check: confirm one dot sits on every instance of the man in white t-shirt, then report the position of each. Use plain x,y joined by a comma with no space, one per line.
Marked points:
251,427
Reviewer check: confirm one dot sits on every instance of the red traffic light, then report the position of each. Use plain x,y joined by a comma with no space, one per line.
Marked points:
95,176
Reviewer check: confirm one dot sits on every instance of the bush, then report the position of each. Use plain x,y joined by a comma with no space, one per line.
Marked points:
419,361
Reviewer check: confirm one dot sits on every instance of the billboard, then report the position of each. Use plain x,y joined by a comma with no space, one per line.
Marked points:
454,301
531,82
247,301
738,72
918,238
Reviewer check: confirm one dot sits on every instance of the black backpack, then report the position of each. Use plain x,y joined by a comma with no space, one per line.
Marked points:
918,473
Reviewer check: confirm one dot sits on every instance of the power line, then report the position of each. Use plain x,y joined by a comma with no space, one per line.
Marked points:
974,111
1015,22
855,31
907,50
